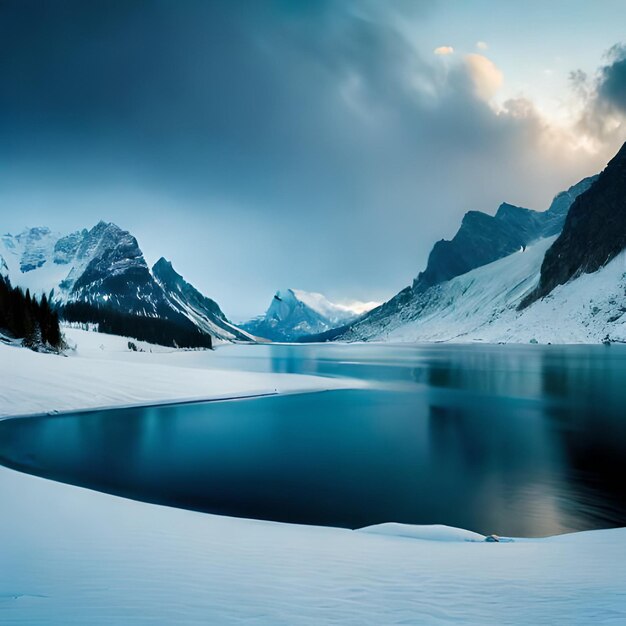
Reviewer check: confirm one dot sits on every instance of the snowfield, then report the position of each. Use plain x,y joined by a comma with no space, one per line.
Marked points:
73,556
102,372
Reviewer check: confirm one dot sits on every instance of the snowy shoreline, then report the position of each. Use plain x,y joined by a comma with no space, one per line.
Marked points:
95,558
163,403
102,373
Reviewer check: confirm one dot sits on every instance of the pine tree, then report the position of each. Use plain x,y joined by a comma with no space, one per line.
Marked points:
24,317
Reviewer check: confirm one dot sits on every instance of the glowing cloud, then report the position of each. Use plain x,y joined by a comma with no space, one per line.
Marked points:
444,50
485,75
481,45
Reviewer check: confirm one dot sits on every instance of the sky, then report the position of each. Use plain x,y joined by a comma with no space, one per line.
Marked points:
322,145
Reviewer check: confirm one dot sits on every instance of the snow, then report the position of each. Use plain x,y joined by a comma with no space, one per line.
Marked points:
203,321
42,279
482,306
102,372
76,556
431,532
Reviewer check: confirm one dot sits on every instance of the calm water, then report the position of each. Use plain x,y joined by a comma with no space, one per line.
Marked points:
516,440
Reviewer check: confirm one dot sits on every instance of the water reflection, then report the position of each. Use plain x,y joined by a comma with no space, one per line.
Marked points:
521,440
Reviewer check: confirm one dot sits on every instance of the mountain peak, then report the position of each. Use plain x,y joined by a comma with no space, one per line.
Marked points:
294,313
165,273
163,264
506,209
187,300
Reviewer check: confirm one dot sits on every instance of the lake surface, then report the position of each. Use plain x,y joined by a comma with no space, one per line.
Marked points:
514,440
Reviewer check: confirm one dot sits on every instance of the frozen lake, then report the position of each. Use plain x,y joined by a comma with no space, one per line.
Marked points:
514,440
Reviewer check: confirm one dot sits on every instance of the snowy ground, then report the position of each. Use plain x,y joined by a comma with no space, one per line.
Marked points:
102,372
74,556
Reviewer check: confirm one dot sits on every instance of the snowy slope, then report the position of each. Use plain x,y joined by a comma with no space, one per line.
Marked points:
483,238
450,301
474,283
482,306
462,308
294,313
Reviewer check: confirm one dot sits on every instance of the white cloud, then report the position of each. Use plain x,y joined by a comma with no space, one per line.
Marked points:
444,50
485,75
481,45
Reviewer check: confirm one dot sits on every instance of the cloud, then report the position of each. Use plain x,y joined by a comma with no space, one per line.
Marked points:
481,45
485,76
603,96
612,81
303,134
444,50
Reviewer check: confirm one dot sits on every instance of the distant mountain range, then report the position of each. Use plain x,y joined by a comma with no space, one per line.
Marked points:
519,276
100,275
294,314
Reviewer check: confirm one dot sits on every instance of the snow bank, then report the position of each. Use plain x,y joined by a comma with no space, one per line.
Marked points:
80,557
433,532
103,372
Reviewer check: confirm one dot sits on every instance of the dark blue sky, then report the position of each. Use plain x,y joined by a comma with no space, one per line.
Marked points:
319,144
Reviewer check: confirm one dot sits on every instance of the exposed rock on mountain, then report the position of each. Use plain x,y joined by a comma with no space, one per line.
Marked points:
594,232
483,238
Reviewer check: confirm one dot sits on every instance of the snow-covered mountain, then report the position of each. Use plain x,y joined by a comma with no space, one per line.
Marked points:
483,238
294,314
513,278
105,267
188,301
483,305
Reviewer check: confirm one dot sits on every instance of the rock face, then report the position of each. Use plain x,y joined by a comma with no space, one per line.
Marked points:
557,213
294,314
109,268
105,267
594,232
483,238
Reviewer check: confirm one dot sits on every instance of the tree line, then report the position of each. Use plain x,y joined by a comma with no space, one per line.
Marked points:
25,317
179,332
